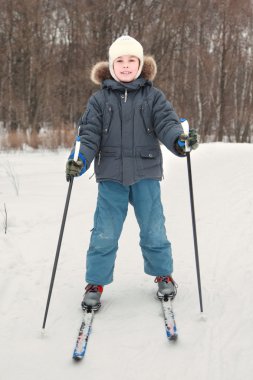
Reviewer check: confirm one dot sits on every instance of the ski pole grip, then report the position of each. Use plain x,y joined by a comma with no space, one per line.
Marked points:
77,148
186,129
185,126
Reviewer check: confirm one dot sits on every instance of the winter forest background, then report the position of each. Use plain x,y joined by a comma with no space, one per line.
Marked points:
204,54
203,50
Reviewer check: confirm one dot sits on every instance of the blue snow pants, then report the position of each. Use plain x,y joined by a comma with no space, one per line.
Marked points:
110,214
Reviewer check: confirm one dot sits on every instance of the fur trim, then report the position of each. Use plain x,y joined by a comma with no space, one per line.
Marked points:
149,69
101,71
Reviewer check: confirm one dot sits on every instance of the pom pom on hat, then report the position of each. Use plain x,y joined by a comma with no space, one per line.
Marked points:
125,45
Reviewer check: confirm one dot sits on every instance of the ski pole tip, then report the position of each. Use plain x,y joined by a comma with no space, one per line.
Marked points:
43,332
203,317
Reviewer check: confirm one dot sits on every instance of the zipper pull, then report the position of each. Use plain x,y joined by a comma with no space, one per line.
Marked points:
125,95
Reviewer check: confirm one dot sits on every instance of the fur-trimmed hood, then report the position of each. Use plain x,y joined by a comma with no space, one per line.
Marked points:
101,72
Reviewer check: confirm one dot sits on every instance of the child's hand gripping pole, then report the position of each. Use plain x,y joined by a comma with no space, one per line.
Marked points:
186,129
76,164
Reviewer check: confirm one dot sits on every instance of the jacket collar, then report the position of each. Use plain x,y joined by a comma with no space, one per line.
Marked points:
111,84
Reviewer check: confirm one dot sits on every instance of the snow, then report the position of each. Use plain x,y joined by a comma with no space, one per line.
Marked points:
128,339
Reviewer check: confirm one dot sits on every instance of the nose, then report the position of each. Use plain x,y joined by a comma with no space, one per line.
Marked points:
125,65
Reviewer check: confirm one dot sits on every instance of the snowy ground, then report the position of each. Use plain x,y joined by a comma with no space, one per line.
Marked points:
128,339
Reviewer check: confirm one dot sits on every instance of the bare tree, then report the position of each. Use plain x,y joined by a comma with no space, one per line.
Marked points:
203,50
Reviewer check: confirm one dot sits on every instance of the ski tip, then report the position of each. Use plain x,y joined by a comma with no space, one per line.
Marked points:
78,355
173,338
77,358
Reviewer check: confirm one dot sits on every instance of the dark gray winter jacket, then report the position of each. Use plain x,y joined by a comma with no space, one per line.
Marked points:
123,124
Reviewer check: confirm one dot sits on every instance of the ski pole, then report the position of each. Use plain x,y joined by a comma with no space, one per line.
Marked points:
77,148
185,126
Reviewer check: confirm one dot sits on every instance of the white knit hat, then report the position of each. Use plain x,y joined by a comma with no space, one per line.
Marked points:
125,45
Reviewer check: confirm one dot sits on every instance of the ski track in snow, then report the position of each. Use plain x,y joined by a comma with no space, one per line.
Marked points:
128,337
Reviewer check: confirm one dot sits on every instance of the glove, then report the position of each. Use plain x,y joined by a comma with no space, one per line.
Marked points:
192,139
74,168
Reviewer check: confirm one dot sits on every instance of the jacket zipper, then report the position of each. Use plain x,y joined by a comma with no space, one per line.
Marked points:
125,95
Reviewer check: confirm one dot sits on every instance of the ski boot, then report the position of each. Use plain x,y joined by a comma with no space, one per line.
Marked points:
91,299
167,288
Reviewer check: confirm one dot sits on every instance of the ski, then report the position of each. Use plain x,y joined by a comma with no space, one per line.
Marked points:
83,335
169,319
86,325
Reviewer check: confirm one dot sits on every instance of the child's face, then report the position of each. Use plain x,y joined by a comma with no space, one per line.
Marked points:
126,68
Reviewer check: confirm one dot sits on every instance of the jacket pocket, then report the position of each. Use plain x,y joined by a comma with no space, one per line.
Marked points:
149,162
107,117
108,163
147,117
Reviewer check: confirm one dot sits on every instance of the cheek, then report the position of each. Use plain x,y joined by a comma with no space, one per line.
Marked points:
136,66
116,67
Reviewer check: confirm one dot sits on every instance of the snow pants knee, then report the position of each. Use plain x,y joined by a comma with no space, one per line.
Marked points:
110,214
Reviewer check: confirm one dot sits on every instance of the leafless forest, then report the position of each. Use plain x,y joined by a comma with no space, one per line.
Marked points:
203,49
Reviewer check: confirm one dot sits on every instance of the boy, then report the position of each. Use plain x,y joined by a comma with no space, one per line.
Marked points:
122,128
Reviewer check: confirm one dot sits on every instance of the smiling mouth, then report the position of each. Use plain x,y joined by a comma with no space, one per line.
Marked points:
125,72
